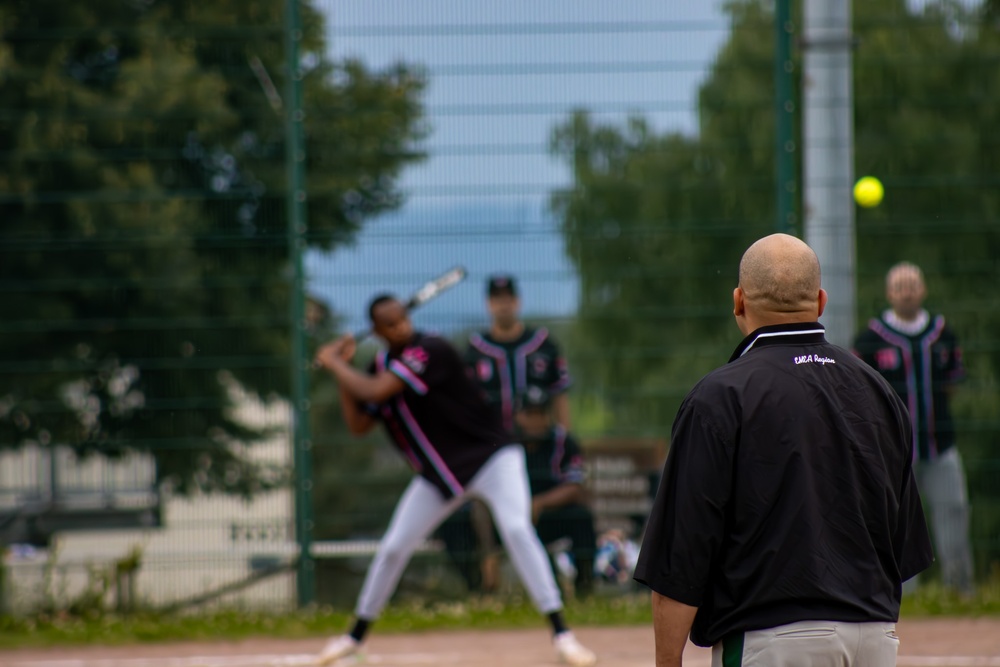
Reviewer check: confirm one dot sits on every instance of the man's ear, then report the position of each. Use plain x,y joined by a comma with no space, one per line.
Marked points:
821,303
740,310
739,302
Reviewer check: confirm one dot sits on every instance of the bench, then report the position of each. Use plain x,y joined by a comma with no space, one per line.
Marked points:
621,480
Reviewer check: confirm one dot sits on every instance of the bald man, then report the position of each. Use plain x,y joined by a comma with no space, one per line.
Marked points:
920,357
788,516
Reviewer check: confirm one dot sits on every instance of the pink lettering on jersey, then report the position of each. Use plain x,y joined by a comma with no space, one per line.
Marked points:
539,363
416,358
484,369
887,358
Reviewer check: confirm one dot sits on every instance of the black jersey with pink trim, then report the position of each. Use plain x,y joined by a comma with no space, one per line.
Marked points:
440,422
504,369
921,367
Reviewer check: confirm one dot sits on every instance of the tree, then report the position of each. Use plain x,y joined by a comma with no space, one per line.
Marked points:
655,224
144,229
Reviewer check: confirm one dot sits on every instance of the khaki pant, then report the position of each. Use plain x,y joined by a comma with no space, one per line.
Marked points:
811,644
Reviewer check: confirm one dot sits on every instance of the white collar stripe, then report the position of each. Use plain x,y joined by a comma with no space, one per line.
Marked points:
780,333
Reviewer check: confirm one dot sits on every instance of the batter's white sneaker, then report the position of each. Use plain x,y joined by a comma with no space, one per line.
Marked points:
337,649
572,652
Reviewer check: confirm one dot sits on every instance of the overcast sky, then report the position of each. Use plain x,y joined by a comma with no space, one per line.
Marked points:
501,77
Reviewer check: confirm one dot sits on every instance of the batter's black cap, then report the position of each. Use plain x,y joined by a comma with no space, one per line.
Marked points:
534,397
501,283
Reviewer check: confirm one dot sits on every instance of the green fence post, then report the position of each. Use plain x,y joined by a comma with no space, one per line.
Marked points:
295,200
784,115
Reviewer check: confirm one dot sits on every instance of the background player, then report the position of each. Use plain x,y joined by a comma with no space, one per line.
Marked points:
920,357
510,356
420,390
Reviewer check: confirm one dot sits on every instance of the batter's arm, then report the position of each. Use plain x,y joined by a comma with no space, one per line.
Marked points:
368,388
335,358
672,622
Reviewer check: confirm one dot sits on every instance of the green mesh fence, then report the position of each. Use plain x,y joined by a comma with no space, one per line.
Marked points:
154,358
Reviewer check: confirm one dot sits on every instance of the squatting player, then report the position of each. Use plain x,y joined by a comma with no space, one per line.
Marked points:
419,390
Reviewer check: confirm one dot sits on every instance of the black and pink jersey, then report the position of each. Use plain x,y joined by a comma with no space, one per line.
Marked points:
504,369
921,366
440,421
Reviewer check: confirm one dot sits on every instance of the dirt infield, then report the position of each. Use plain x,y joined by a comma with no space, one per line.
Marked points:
924,643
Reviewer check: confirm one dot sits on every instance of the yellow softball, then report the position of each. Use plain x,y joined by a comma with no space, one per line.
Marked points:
868,191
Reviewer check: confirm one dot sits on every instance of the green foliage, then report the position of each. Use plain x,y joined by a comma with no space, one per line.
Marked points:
142,193
655,224
231,624
93,601
472,614
935,600
54,629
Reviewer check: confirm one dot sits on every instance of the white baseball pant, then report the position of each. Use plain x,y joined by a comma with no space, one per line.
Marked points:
502,483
